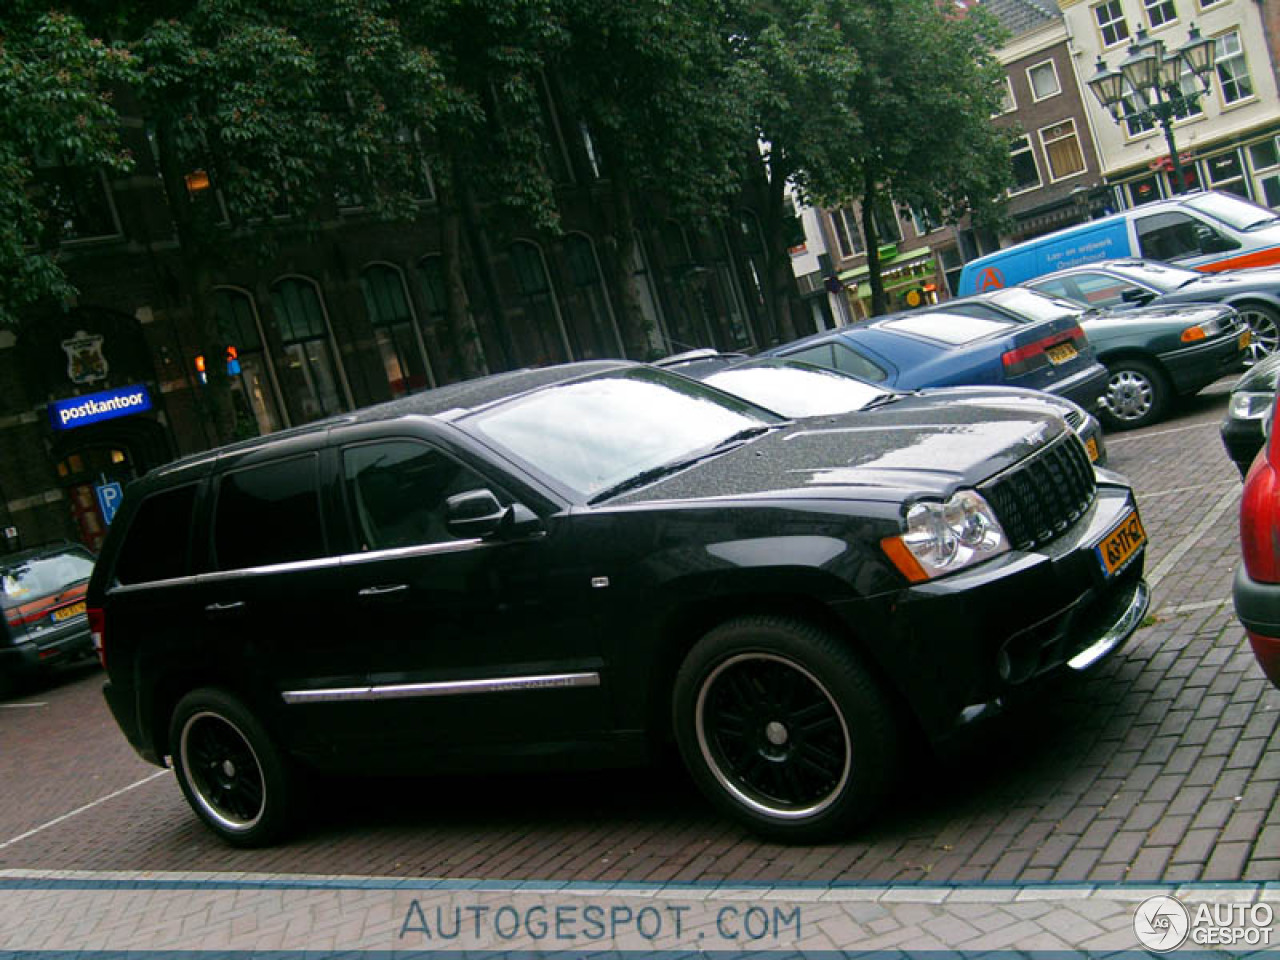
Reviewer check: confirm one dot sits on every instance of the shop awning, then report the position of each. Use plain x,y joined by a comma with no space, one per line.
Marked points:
892,267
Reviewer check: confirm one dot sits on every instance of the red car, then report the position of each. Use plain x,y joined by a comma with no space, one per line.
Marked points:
1257,585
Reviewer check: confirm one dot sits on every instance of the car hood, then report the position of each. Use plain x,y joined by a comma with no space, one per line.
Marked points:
912,446
1182,313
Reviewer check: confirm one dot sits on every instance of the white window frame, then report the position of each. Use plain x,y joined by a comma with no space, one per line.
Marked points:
1035,160
1149,5
1044,145
1013,100
1240,54
1057,83
1101,27
853,228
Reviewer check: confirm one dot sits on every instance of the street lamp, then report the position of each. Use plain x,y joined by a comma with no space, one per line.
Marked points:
1153,76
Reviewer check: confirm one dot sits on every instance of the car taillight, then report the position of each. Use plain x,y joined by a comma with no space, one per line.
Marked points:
97,630
1022,360
1260,517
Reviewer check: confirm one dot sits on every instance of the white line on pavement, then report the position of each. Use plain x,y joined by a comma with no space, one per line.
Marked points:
1200,486
1189,541
22,706
1160,433
79,810
1192,607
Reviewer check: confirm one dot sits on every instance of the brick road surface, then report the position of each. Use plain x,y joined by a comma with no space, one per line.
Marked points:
1164,766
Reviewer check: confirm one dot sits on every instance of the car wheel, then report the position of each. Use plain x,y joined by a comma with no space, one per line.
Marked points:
231,772
782,727
1136,395
1264,324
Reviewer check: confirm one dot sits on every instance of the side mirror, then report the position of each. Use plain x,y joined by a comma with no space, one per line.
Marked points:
1136,295
476,514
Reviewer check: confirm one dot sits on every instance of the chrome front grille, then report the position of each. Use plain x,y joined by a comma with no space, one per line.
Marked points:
1042,496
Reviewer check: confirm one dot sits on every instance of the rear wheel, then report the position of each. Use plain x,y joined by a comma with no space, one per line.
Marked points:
1264,327
783,728
1136,395
231,772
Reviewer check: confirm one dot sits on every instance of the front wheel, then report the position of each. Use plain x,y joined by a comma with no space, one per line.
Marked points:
782,727
1264,329
231,772
1136,395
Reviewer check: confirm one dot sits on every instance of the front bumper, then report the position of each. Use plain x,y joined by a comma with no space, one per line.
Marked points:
1194,367
1258,608
1242,440
962,645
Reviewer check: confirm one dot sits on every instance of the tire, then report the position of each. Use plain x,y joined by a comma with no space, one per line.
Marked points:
1136,395
1264,324
782,728
231,772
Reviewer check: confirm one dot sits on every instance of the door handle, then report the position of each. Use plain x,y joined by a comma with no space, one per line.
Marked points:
226,611
389,591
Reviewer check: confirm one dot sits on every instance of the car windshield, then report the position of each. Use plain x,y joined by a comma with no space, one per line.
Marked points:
796,391
44,576
1036,306
1160,276
590,436
1233,211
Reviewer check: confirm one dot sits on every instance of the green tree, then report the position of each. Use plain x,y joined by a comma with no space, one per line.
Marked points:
56,84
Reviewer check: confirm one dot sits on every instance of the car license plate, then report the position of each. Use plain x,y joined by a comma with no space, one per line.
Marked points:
1061,353
1120,545
66,613
1091,448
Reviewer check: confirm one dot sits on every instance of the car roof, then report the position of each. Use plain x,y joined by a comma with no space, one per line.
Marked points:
44,550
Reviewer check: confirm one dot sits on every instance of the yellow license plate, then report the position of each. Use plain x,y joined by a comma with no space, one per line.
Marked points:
1062,353
1091,447
1120,545
66,613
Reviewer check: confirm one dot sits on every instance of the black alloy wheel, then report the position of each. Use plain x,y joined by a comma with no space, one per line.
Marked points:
231,773
781,726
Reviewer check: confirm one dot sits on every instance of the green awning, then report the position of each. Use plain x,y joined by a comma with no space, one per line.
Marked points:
888,266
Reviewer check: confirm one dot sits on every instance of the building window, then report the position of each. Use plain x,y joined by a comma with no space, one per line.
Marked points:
1160,12
1233,71
394,330
252,386
77,201
1062,150
924,221
310,380
1007,102
885,222
1043,78
587,305
1110,19
1026,174
848,233
1136,120
1226,172
1144,190
1265,156
538,333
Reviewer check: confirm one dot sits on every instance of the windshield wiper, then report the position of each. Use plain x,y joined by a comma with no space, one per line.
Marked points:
883,400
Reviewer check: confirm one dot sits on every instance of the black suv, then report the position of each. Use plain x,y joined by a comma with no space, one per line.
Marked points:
582,563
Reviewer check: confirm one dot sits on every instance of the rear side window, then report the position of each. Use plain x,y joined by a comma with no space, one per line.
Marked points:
269,514
838,356
158,540
397,490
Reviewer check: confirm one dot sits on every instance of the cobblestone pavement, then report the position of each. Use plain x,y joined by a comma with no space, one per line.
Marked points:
1163,767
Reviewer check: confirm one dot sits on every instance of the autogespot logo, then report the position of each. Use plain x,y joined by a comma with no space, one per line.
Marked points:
1162,924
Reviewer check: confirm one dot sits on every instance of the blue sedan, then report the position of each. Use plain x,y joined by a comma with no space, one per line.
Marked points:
940,349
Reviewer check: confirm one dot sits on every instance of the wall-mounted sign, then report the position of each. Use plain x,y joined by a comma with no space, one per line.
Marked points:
109,497
86,362
96,407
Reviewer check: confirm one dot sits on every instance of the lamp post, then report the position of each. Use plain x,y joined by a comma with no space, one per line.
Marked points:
1152,76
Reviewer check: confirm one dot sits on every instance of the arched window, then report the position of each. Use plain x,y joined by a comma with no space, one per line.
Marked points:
592,330
399,346
311,381
252,379
538,333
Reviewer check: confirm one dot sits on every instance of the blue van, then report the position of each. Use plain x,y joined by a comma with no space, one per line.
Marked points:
1209,231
